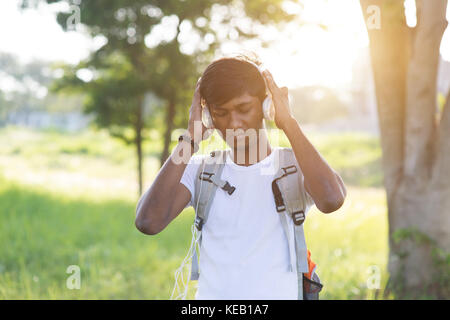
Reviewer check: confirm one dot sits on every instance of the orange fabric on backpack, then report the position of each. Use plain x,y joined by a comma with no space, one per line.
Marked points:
311,266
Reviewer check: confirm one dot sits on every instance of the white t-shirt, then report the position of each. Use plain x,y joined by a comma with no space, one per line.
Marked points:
244,252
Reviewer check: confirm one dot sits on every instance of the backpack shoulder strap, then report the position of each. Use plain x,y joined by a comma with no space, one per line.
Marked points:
290,183
291,204
207,180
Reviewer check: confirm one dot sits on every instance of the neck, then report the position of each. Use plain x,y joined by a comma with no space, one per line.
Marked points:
254,153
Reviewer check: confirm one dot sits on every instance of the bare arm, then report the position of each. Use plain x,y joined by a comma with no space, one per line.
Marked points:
167,197
323,183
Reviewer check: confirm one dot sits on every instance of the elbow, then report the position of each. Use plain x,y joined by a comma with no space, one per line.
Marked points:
336,200
332,206
145,226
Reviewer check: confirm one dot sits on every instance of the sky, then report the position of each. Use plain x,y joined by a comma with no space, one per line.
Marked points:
300,56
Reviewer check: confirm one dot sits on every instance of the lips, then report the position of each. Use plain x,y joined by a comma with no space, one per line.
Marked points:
238,135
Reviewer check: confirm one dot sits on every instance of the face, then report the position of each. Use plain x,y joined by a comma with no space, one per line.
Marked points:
244,113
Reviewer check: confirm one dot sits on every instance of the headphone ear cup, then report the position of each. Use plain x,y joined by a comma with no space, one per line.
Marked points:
268,108
206,118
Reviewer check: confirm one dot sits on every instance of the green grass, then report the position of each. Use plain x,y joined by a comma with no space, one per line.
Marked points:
59,208
45,233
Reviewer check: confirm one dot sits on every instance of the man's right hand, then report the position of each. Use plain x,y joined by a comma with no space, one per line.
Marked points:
195,114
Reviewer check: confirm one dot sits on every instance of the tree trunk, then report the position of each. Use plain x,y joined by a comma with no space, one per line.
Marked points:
404,63
170,114
138,142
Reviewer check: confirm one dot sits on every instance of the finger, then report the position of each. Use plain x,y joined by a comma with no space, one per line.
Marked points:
270,77
270,82
197,85
197,89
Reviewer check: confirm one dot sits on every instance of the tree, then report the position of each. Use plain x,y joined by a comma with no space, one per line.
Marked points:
415,140
126,61
28,90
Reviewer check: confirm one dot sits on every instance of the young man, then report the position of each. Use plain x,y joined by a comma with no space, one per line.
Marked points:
244,251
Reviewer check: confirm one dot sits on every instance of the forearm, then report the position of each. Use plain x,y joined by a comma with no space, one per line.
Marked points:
153,206
324,184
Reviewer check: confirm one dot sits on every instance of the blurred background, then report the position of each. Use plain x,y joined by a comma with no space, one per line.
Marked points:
93,95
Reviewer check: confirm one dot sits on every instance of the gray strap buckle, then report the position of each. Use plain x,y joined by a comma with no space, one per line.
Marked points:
207,176
199,223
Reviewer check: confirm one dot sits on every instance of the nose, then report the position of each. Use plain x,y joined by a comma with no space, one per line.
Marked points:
235,121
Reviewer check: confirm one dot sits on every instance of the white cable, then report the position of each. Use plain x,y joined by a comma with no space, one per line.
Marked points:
179,272
188,258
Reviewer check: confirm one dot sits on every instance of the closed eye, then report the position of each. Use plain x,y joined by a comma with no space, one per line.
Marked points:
220,114
245,110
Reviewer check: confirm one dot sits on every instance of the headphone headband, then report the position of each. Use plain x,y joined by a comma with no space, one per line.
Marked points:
244,58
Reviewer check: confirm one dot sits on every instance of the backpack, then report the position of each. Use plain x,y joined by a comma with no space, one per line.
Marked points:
290,204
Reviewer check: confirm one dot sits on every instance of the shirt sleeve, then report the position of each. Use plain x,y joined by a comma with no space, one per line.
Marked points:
189,176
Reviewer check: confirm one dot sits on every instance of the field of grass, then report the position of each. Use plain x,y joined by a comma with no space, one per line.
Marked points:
69,199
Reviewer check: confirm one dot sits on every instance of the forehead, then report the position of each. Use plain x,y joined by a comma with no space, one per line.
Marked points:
238,101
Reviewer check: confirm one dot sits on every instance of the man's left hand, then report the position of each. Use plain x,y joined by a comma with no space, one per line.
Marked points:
283,113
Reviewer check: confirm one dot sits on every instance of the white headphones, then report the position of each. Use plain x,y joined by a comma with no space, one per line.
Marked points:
267,105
